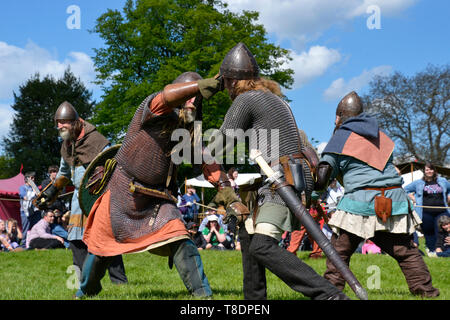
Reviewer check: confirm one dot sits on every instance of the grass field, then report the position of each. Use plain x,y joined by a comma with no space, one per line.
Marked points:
42,275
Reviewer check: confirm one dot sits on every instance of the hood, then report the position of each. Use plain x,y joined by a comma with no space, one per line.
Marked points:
364,124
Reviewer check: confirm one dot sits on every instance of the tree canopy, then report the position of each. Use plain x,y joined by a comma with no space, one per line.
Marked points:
32,139
153,41
415,112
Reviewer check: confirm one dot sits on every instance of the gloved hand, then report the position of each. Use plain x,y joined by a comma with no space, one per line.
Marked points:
209,87
238,210
228,198
46,197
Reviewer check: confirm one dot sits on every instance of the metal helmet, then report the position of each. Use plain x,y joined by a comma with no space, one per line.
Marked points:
350,106
66,111
187,77
240,64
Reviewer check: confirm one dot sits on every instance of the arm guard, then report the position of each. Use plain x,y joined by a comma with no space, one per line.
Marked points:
176,94
324,171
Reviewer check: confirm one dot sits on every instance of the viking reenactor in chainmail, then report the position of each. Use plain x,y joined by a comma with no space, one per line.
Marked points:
81,144
374,205
258,106
138,211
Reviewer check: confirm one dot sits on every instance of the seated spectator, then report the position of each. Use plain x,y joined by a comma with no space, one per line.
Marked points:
196,236
205,221
190,198
443,238
58,228
214,235
14,232
40,236
5,242
370,248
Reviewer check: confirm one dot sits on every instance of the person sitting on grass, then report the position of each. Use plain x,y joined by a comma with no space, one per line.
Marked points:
59,228
443,239
214,235
14,232
5,242
40,236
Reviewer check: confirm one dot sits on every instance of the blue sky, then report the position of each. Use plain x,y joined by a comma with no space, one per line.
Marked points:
334,51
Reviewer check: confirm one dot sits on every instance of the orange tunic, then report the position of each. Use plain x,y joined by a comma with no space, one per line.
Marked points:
99,237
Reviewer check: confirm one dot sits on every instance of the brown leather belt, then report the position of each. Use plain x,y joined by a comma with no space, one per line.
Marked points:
383,189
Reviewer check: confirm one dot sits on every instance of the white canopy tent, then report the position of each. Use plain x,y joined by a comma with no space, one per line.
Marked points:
411,176
243,178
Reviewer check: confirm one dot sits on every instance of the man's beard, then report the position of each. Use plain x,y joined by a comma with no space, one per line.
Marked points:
188,115
64,133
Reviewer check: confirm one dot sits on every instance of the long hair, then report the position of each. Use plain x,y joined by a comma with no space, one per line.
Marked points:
442,221
432,167
262,84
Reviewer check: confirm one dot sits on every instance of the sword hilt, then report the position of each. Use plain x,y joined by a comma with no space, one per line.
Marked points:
272,176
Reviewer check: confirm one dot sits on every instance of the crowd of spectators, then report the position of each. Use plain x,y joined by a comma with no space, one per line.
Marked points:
41,229
48,229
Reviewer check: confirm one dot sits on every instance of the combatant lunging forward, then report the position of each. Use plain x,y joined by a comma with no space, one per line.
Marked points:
138,212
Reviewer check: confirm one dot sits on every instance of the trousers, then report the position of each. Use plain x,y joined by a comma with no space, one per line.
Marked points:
399,246
185,257
116,268
260,251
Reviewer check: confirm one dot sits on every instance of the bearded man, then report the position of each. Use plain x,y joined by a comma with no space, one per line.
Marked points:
138,212
257,106
81,144
374,205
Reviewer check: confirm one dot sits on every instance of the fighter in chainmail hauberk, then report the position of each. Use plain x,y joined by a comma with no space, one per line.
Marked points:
374,205
81,144
138,211
259,110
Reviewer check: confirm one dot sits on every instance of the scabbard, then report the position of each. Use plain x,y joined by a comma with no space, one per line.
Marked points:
294,204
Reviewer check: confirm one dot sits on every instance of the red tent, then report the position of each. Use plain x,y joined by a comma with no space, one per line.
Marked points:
9,197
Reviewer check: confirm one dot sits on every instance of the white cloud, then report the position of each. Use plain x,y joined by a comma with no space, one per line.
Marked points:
311,64
320,147
340,87
19,64
299,21
6,117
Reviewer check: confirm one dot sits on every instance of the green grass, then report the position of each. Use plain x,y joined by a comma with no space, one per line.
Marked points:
32,275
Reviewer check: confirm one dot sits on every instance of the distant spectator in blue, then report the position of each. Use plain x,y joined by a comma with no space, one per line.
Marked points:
431,191
191,199
29,215
59,226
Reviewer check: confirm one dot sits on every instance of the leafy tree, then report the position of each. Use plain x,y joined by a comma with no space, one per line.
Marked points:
8,168
33,139
415,112
152,41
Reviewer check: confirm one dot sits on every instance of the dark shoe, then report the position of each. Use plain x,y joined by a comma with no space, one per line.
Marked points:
339,296
427,294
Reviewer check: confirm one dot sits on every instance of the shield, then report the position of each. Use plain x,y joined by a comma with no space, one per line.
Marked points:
96,179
